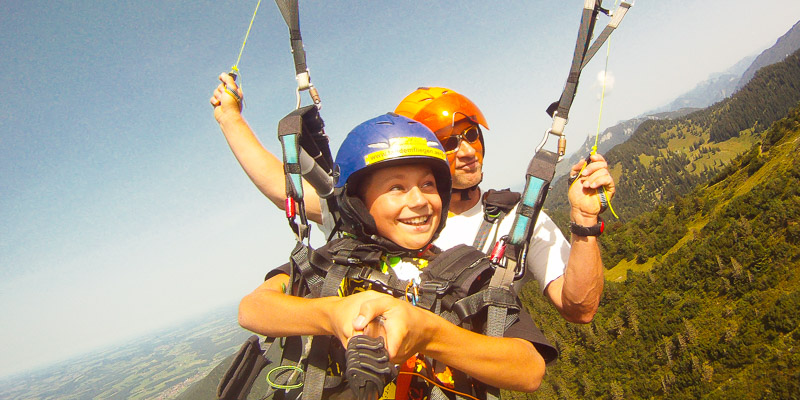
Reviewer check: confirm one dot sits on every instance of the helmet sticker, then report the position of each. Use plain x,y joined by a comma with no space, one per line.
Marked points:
405,147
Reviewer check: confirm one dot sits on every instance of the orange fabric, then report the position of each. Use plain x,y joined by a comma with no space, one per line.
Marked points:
404,380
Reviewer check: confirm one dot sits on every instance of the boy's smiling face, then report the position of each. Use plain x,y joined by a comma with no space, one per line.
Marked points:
404,202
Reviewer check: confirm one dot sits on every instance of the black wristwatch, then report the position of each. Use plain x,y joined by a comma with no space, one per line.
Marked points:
581,230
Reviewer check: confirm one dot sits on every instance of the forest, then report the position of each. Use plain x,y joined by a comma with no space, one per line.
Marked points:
701,295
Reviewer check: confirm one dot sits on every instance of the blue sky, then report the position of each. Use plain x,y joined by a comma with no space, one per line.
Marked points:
123,211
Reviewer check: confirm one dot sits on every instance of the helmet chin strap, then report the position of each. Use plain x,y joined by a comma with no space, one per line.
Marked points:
465,192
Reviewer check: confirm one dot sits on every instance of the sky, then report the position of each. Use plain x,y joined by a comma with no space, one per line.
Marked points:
123,211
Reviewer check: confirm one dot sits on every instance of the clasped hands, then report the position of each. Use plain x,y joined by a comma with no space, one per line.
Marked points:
405,328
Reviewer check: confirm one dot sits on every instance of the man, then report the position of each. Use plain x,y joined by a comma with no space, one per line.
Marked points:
570,276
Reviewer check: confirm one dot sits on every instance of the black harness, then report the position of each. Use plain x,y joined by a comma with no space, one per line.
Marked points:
455,285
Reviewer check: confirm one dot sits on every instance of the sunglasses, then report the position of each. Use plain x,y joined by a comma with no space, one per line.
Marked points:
471,135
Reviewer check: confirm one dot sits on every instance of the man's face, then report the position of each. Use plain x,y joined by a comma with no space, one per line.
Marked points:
466,161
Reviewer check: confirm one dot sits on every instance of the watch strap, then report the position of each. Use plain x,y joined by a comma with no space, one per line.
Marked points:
594,230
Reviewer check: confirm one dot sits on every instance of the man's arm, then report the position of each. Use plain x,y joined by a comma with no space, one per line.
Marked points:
262,167
576,294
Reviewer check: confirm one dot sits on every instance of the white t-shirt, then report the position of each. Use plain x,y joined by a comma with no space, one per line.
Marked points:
548,250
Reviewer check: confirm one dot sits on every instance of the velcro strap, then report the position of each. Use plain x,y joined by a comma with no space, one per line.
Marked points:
471,305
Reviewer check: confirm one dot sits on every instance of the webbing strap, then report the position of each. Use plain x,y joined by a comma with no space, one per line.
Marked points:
437,394
493,296
333,280
300,258
583,54
486,227
496,318
588,18
483,234
317,367
291,14
613,24
540,172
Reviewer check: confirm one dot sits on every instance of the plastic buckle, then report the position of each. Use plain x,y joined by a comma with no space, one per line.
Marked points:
434,286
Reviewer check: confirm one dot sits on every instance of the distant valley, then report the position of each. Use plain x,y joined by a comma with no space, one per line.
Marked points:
159,366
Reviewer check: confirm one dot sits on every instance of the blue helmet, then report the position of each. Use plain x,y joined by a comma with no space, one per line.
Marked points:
382,141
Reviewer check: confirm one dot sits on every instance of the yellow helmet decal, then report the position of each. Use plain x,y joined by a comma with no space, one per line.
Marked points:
403,147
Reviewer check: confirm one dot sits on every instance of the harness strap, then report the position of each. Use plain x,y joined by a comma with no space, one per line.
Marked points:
333,280
496,317
540,172
289,129
496,205
499,289
244,369
317,367
492,296
291,15
300,258
613,24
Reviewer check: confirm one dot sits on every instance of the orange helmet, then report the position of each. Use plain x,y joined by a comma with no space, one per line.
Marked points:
438,107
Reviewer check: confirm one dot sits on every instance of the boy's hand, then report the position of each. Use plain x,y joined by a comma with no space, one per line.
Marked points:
345,312
405,326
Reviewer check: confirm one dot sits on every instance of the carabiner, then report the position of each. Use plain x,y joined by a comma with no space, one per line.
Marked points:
498,251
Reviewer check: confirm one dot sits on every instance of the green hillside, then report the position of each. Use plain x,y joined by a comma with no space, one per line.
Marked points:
708,304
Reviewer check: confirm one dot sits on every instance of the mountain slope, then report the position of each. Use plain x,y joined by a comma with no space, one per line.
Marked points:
716,88
665,159
613,136
715,315
785,45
